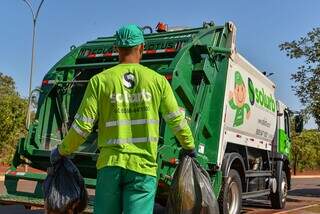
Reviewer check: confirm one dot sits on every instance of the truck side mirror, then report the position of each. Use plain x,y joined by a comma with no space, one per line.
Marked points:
33,106
34,97
298,123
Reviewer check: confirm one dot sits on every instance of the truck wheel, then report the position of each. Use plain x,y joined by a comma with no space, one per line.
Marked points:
230,201
278,199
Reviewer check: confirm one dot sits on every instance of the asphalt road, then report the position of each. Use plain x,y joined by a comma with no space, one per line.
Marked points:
305,192
303,198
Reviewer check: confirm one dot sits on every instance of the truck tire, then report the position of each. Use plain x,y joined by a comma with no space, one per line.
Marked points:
230,201
278,199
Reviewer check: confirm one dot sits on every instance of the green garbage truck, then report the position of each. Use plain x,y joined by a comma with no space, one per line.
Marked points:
241,130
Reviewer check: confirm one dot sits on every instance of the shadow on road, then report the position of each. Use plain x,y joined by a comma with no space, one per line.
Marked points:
292,199
314,192
250,203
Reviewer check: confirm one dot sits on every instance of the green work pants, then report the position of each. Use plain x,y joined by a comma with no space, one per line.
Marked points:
120,190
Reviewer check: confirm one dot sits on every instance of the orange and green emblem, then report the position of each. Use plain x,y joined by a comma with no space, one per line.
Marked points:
237,100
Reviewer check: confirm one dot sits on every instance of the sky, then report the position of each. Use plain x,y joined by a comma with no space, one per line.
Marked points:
261,27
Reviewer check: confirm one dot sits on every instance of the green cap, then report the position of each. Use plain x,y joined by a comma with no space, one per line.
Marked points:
237,78
129,36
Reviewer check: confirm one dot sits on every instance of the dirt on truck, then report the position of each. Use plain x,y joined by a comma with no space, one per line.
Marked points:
241,130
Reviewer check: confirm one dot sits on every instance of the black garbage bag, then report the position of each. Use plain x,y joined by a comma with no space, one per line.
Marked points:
64,188
191,190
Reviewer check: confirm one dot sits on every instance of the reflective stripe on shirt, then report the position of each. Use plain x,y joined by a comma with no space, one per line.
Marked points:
84,119
133,140
131,122
79,130
181,126
173,115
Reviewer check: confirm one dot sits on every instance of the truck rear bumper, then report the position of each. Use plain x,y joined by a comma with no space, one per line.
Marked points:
25,188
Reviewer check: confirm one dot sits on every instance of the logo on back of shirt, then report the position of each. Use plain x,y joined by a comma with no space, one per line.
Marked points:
143,96
129,80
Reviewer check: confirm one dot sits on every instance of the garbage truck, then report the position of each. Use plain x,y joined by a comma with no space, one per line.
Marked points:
241,131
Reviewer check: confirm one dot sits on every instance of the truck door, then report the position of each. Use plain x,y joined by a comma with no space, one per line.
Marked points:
284,143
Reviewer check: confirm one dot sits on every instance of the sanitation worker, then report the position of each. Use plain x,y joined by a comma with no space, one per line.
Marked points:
125,101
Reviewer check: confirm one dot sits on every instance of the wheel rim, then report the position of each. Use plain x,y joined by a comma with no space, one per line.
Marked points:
233,198
284,190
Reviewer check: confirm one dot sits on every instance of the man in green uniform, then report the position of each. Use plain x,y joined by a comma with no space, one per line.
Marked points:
125,101
239,95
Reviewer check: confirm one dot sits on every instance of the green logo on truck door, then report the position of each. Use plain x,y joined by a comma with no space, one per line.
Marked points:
284,146
237,100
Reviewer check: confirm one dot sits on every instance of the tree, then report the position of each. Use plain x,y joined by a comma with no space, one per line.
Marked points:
307,77
12,117
305,150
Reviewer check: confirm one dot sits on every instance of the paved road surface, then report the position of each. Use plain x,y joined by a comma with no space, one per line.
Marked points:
305,194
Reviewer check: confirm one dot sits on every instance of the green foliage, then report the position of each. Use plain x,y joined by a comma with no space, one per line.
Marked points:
12,117
307,77
305,150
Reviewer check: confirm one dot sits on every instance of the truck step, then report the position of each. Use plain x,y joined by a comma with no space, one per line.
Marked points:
13,175
255,194
253,173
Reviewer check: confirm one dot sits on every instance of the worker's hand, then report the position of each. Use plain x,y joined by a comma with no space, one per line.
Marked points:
191,153
55,156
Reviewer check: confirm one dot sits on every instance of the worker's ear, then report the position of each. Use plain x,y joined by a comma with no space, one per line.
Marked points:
141,48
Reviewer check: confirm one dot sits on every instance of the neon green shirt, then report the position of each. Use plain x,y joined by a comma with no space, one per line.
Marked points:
125,101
